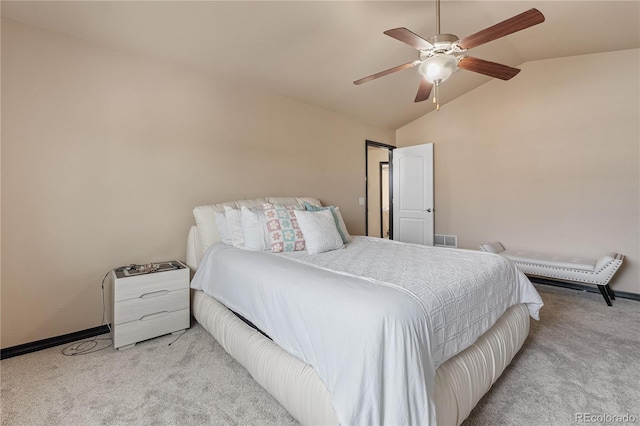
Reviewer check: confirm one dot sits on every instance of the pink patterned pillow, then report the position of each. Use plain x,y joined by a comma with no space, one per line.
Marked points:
283,227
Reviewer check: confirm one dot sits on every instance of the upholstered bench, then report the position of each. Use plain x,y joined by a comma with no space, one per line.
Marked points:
584,271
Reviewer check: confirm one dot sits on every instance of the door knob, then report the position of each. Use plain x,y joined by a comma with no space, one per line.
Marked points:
428,210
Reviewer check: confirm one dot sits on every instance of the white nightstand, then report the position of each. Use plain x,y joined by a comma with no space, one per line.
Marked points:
151,304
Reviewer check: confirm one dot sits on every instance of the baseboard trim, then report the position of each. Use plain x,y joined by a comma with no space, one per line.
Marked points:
583,287
52,341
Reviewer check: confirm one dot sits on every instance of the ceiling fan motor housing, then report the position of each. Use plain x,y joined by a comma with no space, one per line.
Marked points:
443,42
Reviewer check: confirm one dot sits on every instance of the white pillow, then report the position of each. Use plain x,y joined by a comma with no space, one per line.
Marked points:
223,228
206,225
343,227
319,230
254,229
235,226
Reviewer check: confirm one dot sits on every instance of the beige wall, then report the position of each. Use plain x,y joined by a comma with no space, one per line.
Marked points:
548,161
104,155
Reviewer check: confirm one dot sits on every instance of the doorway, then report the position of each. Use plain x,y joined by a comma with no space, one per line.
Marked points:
379,189
385,199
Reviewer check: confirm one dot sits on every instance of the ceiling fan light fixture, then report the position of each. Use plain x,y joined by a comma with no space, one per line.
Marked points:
438,68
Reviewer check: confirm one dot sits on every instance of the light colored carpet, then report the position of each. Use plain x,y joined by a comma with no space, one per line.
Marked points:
581,357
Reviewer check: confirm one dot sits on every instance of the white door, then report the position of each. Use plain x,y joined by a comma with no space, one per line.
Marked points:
413,194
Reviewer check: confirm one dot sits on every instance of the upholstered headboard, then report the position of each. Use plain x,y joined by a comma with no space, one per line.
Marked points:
205,231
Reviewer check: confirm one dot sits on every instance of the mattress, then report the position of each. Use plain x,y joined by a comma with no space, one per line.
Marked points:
460,382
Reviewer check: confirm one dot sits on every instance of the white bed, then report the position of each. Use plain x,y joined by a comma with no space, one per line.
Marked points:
458,383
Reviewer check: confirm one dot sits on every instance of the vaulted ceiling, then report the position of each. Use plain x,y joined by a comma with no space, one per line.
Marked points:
312,51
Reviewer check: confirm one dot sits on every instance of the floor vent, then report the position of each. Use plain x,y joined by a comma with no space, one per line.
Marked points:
445,240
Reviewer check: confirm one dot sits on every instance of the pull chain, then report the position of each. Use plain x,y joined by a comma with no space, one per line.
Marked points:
436,95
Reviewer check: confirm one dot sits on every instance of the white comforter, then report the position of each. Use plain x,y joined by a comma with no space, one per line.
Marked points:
374,319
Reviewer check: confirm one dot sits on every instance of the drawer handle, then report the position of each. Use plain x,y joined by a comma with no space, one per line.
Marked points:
154,294
154,316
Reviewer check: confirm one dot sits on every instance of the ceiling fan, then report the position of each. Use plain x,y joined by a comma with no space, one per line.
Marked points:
442,54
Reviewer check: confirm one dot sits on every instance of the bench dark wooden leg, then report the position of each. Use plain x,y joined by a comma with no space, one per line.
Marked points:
605,294
610,291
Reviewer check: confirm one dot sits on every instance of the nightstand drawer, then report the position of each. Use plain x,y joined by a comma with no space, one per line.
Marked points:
136,286
150,303
151,326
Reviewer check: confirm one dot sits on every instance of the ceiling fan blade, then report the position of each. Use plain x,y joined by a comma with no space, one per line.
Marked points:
423,91
491,69
519,22
410,38
386,72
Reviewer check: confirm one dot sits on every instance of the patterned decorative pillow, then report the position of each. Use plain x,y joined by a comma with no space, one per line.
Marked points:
283,227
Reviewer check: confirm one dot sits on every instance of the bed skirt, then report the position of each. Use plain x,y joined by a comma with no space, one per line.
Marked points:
460,382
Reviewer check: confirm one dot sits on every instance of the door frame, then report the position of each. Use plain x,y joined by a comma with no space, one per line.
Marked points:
369,143
390,179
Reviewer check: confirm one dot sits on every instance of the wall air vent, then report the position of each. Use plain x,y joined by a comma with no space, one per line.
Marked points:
445,240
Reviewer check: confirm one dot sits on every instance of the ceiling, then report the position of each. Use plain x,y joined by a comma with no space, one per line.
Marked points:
312,51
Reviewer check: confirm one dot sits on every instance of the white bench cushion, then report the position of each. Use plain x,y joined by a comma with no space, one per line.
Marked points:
549,260
588,271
